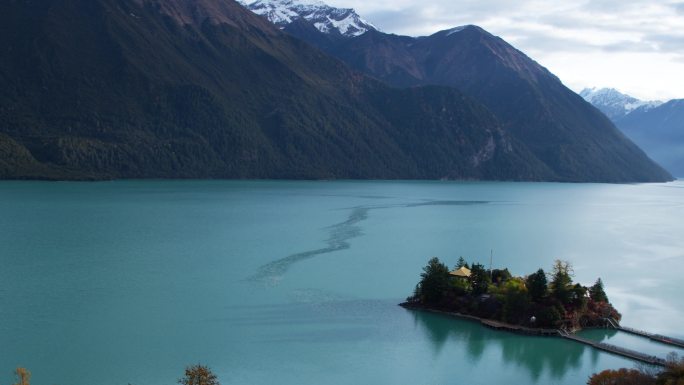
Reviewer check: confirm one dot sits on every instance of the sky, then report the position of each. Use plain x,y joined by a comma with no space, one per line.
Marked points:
636,46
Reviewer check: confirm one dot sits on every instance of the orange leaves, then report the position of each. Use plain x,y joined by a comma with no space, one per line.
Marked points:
23,376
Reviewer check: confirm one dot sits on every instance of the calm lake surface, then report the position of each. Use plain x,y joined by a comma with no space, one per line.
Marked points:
298,282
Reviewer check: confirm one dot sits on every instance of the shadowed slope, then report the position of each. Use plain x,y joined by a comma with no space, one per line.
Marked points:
179,89
574,140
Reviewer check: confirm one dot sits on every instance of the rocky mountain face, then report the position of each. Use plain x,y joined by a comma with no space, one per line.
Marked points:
206,89
614,104
562,130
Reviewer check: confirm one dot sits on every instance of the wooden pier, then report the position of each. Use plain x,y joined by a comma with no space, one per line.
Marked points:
623,352
617,350
651,336
627,353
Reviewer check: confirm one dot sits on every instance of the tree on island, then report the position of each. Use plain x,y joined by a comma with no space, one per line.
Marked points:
516,302
596,292
561,281
461,263
434,282
549,316
537,285
198,375
499,276
479,279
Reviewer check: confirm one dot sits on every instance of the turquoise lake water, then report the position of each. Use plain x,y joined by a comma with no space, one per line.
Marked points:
298,282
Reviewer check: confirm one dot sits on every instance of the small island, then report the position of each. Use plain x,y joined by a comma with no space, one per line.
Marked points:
532,304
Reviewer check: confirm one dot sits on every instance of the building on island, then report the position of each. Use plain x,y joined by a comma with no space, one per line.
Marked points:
462,272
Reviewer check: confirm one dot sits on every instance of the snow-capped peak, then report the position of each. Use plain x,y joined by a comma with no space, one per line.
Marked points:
615,104
325,18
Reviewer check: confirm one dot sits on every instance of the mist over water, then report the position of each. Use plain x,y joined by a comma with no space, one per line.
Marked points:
297,282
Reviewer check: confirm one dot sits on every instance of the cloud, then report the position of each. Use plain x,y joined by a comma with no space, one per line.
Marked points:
668,43
547,30
679,7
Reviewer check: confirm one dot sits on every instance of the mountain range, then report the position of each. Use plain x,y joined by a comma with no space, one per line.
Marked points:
335,22
614,104
564,132
97,89
655,126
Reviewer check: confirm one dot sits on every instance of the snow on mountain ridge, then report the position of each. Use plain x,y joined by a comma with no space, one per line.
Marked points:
452,31
615,104
325,18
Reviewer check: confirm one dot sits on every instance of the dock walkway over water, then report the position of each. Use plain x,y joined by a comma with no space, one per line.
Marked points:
617,350
628,353
654,337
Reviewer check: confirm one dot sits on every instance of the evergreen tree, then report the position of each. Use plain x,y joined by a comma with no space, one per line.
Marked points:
434,281
537,285
479,279
578,295
561,281
461,263
597,293
500,276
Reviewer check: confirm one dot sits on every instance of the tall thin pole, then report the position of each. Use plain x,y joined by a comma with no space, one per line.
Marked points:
491,257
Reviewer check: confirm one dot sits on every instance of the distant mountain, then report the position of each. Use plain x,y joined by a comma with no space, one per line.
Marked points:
206,89
660,132
615,104
343,22
563,131
656,127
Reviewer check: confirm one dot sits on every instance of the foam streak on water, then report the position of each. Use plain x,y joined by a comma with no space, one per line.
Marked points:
340,235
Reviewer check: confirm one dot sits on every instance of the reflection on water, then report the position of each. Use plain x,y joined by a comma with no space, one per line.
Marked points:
599,334
535,354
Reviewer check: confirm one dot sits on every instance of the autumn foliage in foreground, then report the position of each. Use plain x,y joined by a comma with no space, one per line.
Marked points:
198,375
673,374
621,377
194,375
